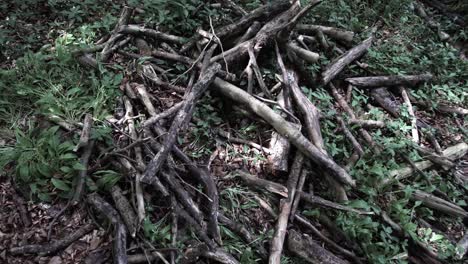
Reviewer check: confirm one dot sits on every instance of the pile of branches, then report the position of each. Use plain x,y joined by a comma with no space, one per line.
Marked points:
218,59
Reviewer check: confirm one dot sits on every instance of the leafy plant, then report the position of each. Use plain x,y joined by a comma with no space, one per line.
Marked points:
42,162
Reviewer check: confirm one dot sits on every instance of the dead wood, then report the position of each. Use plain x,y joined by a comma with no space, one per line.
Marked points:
463,246
180,120
119,248
303,221
414,128
279,145
453,153
306,248
108,48
194,253
441,160
395,80
211,191
386,100
297,198
335,33
344,105
145,98
182,195
284,128
50,248
302,53
250,32
445,10
240,230
357,147
316,200
85,132
419,10
236,28
276,245
337,65
438,204
125,209
257,182
367,123
266,34
169,112
80,182
236,8
129,118
155,34
232,139
199,230
441,107
311,117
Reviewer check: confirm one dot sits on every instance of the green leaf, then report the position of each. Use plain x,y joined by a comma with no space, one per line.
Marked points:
23,171
67,156
79,166
61,185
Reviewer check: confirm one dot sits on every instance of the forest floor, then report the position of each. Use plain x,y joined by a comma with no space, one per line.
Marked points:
233,132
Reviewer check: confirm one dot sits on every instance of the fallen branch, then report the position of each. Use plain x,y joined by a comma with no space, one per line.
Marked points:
285,129
453,153
180,120
315,200
276,245
306,248
119,248
55,246
335,67
395,80
125,210
155,34
257,182
335,33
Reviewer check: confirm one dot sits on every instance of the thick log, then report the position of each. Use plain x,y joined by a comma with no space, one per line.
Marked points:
309,250
284,128
393,80
335,33
336,66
